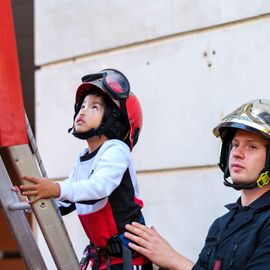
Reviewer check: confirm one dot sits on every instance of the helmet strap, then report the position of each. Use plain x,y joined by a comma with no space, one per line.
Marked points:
239,186
112,128
87,134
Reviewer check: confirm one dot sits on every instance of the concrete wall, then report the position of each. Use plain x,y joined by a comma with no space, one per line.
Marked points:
189,62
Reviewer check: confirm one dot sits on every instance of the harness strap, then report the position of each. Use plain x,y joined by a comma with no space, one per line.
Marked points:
127,258
93,254
90,254
117,246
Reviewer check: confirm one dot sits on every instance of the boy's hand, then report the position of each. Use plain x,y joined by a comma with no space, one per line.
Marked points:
19,194
43,188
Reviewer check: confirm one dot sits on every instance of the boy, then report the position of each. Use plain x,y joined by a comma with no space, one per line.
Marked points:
102,186
241,238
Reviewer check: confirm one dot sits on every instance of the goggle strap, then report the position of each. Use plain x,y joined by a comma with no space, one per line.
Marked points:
92,77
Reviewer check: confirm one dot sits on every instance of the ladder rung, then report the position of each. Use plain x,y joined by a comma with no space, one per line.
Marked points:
19,206
9,254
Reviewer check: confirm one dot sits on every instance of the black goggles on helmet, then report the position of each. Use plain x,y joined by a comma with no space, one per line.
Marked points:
113,81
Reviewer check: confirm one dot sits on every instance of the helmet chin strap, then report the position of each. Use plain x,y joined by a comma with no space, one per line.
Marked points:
262,181
240,186
87,134
112,128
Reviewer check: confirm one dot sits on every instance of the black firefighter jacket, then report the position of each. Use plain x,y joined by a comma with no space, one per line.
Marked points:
240,239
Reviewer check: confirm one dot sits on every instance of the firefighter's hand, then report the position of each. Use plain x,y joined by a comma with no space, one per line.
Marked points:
41,188
151,244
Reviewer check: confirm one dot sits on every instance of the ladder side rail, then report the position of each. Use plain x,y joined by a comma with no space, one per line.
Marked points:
36,153
47,216
34,147
19,224
41,166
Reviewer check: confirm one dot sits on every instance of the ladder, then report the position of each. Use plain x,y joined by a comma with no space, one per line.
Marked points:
17,160
45,211
19,224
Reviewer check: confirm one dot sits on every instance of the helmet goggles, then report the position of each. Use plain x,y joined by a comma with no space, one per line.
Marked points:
114,83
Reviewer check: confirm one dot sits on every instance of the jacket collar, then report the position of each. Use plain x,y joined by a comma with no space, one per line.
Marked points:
262,202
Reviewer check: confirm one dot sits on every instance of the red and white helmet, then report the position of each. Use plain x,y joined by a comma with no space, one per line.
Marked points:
115,86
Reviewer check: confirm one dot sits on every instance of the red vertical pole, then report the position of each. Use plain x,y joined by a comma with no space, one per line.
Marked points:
12,119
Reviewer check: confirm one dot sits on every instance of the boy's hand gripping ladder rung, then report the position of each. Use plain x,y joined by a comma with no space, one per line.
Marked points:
47,214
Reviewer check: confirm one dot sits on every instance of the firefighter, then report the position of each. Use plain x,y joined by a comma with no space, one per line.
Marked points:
240,239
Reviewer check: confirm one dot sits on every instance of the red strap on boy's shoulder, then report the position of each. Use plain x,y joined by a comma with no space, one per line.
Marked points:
12,118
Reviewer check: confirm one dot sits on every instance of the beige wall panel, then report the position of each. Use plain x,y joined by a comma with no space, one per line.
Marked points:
185,86
67,28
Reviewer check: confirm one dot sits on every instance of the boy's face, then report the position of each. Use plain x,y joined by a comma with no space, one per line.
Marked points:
90,114
247,157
